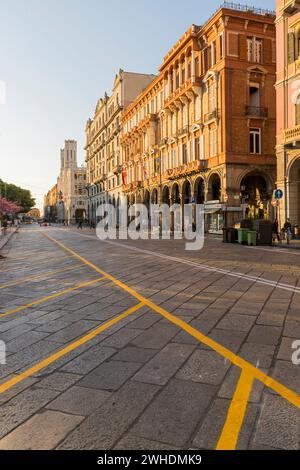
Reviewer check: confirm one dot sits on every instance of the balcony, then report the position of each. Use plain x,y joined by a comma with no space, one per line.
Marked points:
256,112
103,177
290,6
187,169
291,135
163,142
183,131
127,187
211,116
117,169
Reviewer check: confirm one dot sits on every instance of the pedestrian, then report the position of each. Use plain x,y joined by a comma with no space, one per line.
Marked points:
275,231
80,224
288,230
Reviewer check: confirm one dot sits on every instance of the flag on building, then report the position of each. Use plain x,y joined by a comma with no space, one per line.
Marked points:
124,175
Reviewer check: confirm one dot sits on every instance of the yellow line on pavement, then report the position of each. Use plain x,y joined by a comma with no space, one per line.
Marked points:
54,357
39,276
52,296
285,392
236,413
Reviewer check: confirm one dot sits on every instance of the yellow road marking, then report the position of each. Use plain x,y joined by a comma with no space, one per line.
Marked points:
236,413
54,357
39,276
285,392
52,296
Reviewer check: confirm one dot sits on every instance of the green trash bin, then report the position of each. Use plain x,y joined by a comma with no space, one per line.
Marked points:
252,238
243,236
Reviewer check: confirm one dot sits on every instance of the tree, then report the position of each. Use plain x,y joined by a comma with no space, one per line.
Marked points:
19,196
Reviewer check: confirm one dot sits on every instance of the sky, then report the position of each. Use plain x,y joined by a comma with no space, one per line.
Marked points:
58,57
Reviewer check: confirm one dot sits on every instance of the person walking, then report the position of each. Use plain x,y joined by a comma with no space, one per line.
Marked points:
288,230
80,224
275,231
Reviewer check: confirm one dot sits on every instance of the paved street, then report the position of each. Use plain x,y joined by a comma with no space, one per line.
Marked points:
143,345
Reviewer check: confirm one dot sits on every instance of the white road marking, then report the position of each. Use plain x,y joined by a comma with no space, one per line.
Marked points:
254,279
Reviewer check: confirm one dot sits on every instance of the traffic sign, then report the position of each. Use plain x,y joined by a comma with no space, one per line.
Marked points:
274,202
278,194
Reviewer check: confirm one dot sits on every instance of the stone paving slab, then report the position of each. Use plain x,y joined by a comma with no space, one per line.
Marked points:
145,383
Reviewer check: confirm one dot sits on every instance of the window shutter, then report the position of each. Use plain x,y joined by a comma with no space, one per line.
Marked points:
297,113
233,40
243,47
202,155
267,51
291,47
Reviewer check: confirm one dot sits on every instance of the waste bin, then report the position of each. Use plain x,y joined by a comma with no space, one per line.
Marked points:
252,238
243,236
225,235
264,229
232,235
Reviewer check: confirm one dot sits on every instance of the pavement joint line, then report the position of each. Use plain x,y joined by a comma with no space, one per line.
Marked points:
236,413
255,279
71,347
246,366
38,276
16,269
52,296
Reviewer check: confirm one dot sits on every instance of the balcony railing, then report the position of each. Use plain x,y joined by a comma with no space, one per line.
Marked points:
183,131
290,6
256,112
163,141
292,134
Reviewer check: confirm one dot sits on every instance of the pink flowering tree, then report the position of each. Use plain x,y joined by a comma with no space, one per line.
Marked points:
8,207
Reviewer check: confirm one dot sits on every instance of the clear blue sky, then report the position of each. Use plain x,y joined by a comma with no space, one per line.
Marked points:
57,57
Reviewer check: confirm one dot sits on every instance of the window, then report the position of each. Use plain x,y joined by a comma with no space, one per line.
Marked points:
249,49
291,47
211,98
208,57
221,46
258,49
255,141
213,53
254,50
197,68
197,149
184,154
254,96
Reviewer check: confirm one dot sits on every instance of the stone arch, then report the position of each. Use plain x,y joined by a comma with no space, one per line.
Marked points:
166,195
175,193
294,191
199,190
186,192
256,192
214,187
154,196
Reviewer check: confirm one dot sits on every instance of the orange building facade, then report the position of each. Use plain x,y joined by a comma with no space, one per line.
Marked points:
204,130
288,109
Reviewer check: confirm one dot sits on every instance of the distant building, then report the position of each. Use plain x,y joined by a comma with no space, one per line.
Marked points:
103,148
288,109
67,200
71,186
204,130
34,213
50,204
